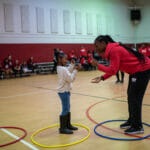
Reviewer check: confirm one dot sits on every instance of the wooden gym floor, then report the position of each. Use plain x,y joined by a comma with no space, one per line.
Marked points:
32,103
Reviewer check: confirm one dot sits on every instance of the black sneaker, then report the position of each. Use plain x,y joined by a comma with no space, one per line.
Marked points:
117,81
133,130
125,125
121,81
65,131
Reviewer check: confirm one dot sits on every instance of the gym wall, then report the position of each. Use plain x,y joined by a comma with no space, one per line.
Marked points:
35,27
143,29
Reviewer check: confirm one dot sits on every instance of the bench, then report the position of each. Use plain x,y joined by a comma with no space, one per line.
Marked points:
44,67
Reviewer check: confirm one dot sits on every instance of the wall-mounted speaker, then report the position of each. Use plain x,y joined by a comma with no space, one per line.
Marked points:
135,15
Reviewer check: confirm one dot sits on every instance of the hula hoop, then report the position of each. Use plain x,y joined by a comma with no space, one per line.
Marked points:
92,120
25,134
89,132
119,139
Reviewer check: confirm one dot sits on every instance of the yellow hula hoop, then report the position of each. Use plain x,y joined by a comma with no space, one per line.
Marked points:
89,132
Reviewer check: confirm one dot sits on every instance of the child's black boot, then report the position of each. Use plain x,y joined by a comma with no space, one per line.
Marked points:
63,125
69,126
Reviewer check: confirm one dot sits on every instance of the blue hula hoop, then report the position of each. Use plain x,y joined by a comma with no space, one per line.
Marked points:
119,139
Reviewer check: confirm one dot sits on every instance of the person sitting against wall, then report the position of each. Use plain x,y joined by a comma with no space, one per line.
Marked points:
83,58
84,63
96,56
72,56
7,68
1,71
10,62
148,50
89,58
25,69
83,52
143,50
31,64
17,68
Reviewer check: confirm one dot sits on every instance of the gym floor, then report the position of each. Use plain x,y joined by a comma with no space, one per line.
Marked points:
32,103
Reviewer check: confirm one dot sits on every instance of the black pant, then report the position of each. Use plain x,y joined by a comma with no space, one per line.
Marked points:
17,72
136,88
122,76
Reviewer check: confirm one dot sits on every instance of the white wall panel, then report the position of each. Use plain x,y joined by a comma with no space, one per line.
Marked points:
66,21
89,21
104,25
78,22
143,28
9,17
25,18
1,18
99,24
108,25
54,20
40,20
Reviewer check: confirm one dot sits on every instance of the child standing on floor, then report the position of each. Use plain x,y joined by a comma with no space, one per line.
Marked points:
66,76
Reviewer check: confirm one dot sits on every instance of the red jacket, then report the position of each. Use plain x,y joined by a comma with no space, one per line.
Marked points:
122,60
89,58
71,56
83,52
83,61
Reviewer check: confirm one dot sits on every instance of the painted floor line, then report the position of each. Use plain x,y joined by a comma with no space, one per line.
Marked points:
120,100
24,94
23,141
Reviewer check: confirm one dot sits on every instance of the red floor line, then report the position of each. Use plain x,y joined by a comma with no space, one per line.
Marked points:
92,120
25,134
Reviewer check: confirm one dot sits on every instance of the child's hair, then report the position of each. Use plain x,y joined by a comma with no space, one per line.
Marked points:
108,39
61,55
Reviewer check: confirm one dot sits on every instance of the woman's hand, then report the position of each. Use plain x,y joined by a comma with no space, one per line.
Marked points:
78,67
96,80
72,61
94,63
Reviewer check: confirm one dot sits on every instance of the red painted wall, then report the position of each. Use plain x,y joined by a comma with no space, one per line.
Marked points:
40,52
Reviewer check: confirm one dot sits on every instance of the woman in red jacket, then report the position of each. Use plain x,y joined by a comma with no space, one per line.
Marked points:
136,65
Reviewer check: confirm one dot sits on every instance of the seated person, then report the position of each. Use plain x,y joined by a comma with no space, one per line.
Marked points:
72,55
89,57
17,68
10,62
31,64
84,63
1,71
83,52
7,68
143,50
24,68
148,50
96,56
